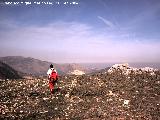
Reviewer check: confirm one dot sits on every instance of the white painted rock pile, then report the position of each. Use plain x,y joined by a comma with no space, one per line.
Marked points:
125,69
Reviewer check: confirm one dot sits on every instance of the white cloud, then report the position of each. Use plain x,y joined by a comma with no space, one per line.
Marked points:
107,22
75,42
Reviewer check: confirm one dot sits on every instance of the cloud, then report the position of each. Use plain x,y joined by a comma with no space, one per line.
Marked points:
62,41
107,22
61,38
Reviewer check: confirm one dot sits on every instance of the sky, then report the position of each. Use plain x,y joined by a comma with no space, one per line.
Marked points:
88,31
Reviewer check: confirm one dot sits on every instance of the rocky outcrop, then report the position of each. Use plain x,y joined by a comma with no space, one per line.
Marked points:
77,72
126,69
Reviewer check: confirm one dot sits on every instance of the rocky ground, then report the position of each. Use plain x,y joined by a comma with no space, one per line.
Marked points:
104,96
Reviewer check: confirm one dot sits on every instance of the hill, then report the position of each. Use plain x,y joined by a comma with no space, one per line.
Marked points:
38,67
110,95
7,72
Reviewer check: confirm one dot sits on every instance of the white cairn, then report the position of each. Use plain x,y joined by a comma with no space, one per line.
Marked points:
125,69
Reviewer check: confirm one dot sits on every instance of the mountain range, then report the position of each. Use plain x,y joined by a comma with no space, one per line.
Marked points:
34,66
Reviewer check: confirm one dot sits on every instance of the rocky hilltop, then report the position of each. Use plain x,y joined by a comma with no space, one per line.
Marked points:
104,95
126,69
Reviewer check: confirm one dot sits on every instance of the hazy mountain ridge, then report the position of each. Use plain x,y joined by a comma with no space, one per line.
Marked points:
26,65
7,72
33,66
38,67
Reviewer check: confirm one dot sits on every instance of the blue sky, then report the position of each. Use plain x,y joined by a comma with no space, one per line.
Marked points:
92,31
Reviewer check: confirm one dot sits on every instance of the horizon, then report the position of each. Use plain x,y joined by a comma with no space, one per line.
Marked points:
100,65
79,62
87,32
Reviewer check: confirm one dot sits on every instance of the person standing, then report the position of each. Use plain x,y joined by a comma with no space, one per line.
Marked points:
52,77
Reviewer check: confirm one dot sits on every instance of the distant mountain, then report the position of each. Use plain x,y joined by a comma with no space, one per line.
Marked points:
26,65
67,68
7,72
38,67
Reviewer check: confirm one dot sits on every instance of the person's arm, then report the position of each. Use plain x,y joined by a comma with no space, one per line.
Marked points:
49,73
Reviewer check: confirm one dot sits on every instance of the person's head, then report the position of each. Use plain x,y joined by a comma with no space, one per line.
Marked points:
51,66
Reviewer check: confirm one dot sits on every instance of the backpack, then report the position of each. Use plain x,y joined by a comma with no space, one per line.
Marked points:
53,75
